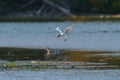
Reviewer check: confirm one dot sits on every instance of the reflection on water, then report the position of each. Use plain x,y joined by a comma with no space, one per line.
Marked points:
96,57
69,60
90,53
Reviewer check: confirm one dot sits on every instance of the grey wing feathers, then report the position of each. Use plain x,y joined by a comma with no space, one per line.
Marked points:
68,29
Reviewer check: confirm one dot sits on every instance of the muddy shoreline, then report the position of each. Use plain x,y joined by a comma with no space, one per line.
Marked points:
34,59
100,17
14,53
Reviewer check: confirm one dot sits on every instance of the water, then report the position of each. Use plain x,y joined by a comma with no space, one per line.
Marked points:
84,36
61,75
96,36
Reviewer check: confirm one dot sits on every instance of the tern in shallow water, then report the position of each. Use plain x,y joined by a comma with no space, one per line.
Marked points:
64,33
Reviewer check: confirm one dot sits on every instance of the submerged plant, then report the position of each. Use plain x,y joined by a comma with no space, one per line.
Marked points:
10,65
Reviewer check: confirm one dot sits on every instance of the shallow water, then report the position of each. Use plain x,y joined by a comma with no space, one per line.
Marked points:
93,36
61,75
97,35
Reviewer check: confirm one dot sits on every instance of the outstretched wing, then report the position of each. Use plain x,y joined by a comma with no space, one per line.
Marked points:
59,30
68,29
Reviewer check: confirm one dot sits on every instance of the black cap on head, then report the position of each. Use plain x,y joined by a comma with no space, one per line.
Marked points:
58,35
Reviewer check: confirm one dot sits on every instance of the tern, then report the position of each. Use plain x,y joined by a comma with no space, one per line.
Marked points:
64,33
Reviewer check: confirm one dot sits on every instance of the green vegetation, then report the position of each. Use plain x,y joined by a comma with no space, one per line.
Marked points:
59,10
22,54
34,59
40,8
